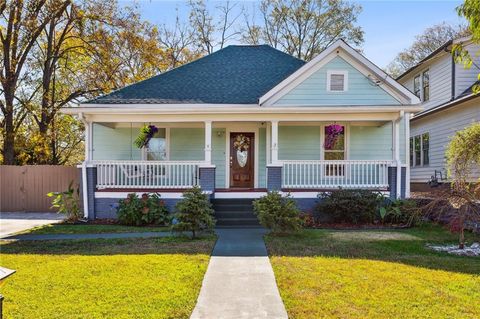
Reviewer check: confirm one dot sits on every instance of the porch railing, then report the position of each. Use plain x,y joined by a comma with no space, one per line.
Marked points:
334,174
147,174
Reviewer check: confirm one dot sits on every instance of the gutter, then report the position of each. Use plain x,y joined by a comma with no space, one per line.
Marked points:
444,106
155,109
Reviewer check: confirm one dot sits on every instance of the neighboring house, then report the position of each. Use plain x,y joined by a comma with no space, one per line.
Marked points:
247,119
445,89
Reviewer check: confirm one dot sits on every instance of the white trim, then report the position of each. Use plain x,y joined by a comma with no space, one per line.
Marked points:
345,80
239,194
122,195
195,112
330,52
407,154
85,189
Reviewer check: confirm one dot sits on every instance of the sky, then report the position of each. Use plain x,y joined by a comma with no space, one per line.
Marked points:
389,26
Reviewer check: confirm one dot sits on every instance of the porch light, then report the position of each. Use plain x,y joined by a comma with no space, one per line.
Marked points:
4,274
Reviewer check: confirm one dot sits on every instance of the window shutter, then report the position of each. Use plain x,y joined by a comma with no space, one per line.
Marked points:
337,82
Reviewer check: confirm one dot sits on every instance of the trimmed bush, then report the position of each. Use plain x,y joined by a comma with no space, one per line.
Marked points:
278,213
194,212
147,210
350,206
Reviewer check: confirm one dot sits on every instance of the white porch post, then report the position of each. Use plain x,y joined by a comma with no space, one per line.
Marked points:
397,160
274,143
407,154
208,142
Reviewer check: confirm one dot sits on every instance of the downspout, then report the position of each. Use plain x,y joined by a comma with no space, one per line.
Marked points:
84,172
453,80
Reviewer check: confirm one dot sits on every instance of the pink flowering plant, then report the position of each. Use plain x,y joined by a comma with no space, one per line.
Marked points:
332,132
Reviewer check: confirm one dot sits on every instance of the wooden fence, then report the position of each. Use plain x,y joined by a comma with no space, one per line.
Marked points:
24,188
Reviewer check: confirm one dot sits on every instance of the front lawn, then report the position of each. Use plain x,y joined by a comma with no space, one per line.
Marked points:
374,274
90,229
121,278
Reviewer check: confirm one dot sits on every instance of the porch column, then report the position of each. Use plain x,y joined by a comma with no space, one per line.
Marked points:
208,142
398,162
274,143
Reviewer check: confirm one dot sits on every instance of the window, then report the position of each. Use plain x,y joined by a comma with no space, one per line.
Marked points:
416,85
425,148
334,148
426,85
418,151
337,81
411,151
157,146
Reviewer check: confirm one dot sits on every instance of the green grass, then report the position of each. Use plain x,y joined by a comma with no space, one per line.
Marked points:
89,229
374,274
121,278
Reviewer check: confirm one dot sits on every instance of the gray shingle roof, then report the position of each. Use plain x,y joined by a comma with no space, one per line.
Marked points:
234,75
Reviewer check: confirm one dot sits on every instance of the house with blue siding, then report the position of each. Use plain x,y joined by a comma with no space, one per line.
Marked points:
246,120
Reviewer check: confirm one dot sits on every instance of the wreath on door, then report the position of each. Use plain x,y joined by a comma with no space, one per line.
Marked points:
242,144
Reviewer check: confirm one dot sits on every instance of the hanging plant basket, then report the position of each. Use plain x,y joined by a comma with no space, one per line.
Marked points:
146,133
332,132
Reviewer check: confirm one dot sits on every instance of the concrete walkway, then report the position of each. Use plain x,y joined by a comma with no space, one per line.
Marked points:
239,282
15,222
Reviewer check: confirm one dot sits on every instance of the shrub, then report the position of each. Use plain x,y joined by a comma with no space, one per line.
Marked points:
308,220
194,212
147,210
399,211
68,203
278,213
350,206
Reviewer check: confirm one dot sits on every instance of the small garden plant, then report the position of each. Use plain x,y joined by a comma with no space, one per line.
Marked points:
350,206
193,213
278,213
68,203
147,210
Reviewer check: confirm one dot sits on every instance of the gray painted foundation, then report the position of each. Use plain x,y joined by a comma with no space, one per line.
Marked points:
107,207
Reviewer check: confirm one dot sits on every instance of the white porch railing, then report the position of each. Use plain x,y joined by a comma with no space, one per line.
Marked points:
147,174
334,174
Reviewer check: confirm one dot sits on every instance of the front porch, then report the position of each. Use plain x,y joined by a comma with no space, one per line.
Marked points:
288,156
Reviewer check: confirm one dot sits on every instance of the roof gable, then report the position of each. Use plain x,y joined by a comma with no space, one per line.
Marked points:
233,75
357,61
360,89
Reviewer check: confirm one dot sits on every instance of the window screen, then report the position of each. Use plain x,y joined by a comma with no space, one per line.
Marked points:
337,82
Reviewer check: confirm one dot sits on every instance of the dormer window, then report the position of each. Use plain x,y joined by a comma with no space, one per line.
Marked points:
337,81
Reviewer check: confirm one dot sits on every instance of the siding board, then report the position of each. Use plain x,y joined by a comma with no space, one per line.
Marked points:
313,90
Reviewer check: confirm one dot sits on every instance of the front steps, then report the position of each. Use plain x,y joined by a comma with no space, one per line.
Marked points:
234,212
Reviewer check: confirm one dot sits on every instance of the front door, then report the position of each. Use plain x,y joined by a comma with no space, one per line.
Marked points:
242,160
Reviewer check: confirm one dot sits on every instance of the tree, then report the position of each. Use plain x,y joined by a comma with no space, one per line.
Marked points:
303,28
461,202
194,212
470,10
431,39
22,23
178,43
209,33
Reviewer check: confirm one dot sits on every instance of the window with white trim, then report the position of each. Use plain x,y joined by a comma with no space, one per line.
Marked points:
334,148
416,85
420,150
426,86
156,149
337,81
